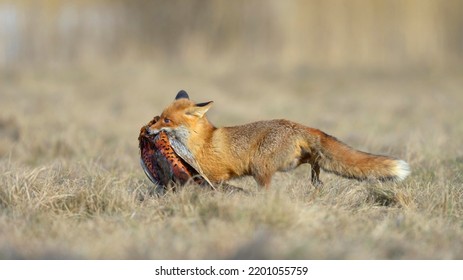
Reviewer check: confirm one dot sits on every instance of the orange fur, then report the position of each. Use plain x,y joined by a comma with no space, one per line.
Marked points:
262,148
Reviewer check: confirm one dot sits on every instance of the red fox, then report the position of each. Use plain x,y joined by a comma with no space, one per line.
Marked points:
262,148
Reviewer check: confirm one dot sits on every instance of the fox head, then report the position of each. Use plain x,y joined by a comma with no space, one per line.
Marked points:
182,117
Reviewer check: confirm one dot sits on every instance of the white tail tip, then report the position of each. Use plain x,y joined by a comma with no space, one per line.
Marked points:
402,170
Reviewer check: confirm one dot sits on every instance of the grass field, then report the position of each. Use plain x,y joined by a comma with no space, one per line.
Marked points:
71,185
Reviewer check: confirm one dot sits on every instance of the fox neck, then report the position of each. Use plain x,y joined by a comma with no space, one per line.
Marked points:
200,136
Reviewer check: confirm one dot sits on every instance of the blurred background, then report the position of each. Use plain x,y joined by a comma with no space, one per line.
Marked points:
279,34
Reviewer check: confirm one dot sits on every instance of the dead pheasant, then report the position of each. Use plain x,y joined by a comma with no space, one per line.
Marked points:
166,161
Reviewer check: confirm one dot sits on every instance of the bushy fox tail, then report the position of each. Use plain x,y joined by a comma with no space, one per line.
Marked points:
337,157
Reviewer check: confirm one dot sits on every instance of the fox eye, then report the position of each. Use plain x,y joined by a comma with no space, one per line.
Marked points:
166,120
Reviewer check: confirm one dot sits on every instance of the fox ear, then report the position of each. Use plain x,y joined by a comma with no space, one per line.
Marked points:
182,94
200,109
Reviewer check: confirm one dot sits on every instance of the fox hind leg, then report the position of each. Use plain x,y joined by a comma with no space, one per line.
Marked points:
316,175
311,159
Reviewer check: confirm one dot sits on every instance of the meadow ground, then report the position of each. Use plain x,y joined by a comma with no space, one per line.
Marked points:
71,185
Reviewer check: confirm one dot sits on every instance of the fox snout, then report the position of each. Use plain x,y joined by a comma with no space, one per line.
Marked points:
152,131
156,128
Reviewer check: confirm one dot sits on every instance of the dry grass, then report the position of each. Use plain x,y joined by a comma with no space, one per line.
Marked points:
71,186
